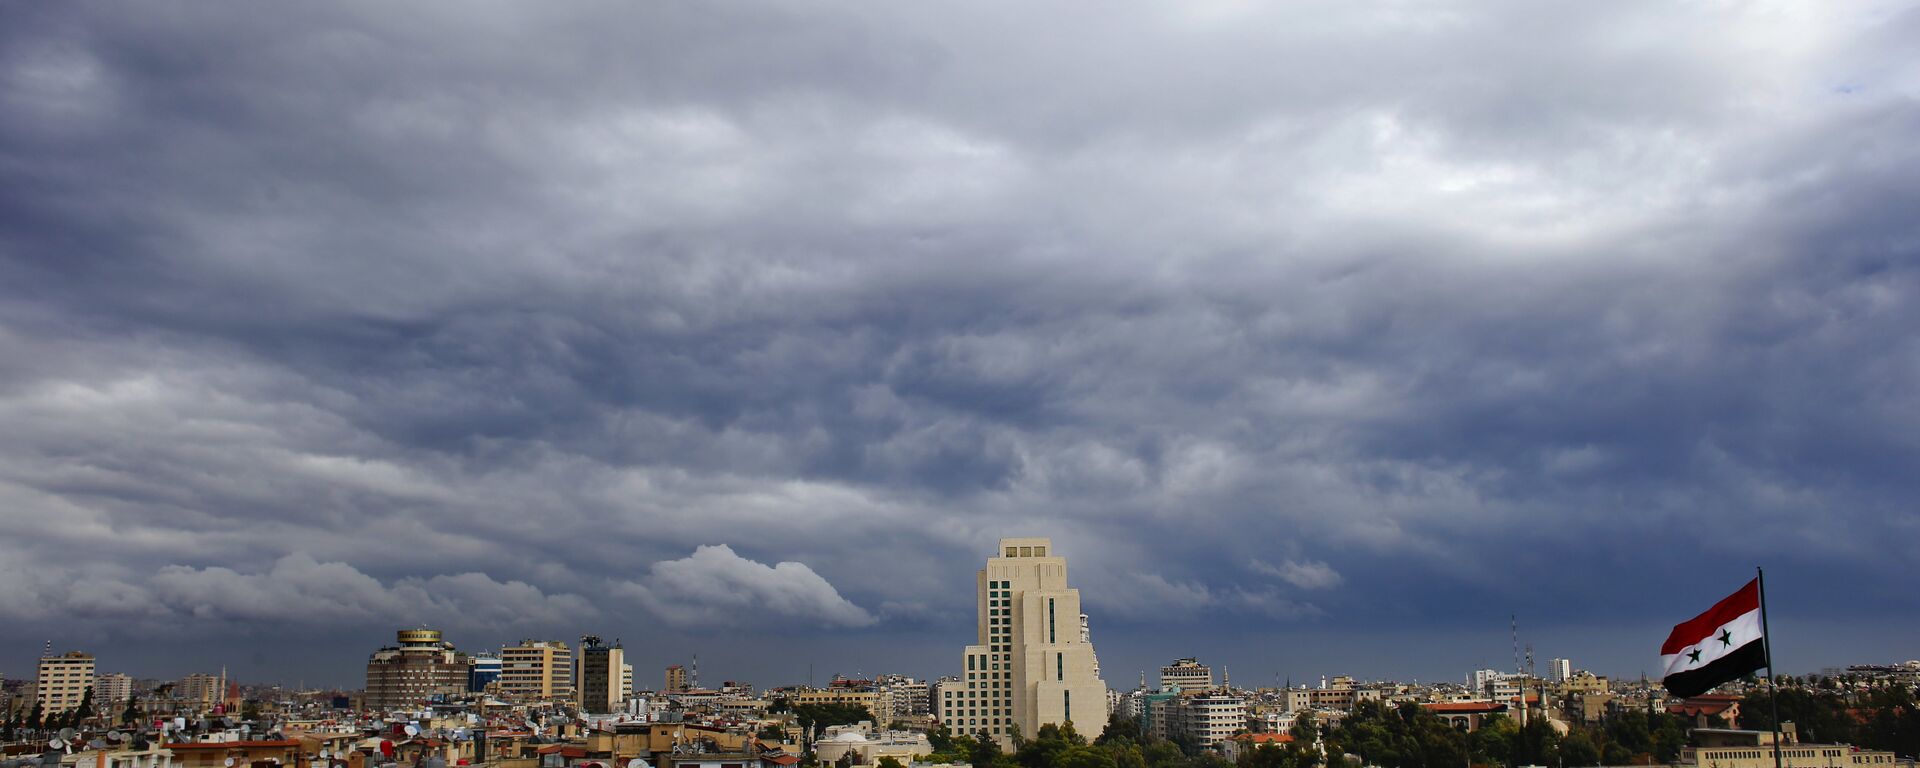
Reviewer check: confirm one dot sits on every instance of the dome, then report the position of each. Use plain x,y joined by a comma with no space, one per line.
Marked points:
848,737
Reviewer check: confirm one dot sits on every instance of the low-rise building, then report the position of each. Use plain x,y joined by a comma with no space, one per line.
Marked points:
1466,715
216,753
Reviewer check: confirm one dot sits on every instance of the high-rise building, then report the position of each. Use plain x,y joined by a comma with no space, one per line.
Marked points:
676,679
600,676
421,667
62,681
1186,675
537,670
626,681
202,691
483,670
111,691
1560,670
1031,664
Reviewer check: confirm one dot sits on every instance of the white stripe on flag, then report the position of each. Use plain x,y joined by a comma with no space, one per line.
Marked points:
1738,632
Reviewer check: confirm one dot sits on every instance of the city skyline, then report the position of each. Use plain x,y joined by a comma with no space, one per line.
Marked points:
1322,338
1370,659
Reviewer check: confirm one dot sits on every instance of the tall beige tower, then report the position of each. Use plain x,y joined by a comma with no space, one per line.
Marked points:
62,681
602,667
1033,663
537,670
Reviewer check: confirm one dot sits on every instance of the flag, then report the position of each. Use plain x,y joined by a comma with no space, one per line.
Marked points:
1714,647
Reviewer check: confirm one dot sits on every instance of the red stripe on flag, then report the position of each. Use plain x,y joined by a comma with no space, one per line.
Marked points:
1700,627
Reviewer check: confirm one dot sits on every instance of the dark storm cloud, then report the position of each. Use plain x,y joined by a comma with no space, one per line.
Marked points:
1318,316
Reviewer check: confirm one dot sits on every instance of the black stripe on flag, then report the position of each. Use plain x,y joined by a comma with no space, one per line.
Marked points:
1731,666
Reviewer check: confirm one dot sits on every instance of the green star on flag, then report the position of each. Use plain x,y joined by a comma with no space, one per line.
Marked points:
1693,656
1726,638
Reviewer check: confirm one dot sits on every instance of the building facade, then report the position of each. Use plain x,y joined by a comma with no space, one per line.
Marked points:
202,690
483,670
1208,718
537,670
61,682
111,692
1031,663
1186,675
676,679
602,677
420,667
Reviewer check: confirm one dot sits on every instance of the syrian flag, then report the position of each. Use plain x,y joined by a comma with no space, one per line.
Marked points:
1714,647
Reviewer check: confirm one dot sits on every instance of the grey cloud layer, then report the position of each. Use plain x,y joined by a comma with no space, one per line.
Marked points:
1316,313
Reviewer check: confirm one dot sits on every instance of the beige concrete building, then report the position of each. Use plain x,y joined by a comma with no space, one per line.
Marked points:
1032,662
536,670
62,681
1791,756
202,691
676,679
878,703
419,667
111,692
604,677
1186,675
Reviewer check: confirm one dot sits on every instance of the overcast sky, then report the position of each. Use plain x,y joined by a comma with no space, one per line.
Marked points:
1321,337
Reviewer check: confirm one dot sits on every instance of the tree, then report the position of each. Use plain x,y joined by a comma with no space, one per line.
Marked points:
1121,730
984,753
1578,749
1306,728
86,706
940,739
1537,744
131,715
36,719
814,718
1493,742
888,762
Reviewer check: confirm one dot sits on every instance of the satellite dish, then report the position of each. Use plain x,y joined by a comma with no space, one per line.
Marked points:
57,744
636,763
67,734
179,723
326,753
116,736
413,730
229,762
96,744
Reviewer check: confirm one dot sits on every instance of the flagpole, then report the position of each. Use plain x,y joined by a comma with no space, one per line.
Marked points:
1766,646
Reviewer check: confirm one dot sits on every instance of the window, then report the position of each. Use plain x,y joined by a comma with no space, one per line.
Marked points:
1050,635
1026,551
1013,552
1060,666
1039,551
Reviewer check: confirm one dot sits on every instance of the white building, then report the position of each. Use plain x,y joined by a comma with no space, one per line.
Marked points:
1208,718
1560,670
1031,663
